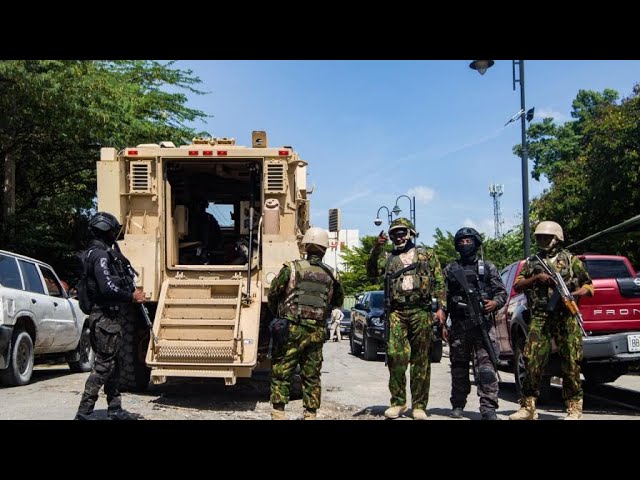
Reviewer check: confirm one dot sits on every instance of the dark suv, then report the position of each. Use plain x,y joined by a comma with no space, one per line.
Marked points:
367,328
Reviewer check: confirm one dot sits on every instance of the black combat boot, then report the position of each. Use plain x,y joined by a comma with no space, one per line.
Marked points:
82,416
456,412
490,415
121,415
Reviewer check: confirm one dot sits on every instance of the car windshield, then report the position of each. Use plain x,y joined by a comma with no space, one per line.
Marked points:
377,300
347,314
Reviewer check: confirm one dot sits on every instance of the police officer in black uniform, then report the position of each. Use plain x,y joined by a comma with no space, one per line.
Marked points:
108,288
465,339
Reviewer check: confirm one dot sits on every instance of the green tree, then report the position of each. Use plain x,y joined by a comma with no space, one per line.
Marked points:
354,278
593,165
54,116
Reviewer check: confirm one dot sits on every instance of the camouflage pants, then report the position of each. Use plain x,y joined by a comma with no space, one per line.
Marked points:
568,337
105,339
462,345
410,340
304,348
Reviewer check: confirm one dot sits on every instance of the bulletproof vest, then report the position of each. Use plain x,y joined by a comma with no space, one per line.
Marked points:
477,276
308,292
412,287
117,269
538,295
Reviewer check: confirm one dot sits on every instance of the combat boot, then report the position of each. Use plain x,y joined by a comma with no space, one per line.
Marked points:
395,411
82,416
490,415
527,410
574,410
456,412
309,415
277,412
121,415
419,414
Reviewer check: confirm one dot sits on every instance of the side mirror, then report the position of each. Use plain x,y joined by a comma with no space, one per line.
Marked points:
359,306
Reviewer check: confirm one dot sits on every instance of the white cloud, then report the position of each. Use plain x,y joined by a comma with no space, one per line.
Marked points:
483,226
545,112
423,194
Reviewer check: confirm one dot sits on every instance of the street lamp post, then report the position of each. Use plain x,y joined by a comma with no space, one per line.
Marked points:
412,209
377,222
481,66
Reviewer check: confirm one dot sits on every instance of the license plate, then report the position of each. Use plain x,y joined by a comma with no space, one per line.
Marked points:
634,343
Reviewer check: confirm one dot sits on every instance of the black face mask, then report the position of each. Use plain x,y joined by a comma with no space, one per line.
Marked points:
467,251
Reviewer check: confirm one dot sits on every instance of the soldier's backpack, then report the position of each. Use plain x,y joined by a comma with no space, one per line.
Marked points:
85,292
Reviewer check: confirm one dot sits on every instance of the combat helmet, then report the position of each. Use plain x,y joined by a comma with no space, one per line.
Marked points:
549,228
467,250
402,223
104,225
316,236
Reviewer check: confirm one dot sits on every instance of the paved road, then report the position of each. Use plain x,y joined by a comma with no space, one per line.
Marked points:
352,389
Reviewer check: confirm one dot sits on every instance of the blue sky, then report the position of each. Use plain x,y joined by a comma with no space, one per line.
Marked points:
374,130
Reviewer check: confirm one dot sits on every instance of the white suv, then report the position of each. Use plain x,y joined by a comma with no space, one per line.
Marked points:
38,318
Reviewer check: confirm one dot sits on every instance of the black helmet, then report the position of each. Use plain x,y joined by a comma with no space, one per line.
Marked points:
103,222
467,232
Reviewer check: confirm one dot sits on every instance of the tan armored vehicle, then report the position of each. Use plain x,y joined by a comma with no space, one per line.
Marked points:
206,276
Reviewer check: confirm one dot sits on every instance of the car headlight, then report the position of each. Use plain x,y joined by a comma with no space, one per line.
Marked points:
377,322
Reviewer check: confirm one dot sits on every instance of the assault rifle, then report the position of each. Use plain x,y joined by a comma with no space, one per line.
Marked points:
475,306
565,294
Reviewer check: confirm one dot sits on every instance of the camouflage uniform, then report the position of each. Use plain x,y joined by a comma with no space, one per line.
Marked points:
105,340
558,325
304,294
410,327
463,340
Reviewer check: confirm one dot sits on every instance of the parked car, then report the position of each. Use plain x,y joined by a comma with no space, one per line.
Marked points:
38,320
611,320
367,328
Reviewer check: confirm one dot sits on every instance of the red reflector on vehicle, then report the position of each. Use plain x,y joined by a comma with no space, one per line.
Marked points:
283,152
222,153
207,152
193,153
132,152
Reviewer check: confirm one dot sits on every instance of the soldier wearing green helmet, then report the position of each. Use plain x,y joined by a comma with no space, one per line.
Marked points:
414,277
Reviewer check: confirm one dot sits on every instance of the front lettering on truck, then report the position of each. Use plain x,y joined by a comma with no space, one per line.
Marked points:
622,311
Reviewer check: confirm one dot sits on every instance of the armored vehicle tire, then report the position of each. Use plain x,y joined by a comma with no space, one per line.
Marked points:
85,351
436,351
370,347
20,360
519,373
134,373
355,348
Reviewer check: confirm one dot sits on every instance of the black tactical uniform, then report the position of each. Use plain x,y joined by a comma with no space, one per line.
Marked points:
464,339
111,295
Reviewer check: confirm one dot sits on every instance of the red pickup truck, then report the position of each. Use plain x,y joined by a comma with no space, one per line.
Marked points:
611,320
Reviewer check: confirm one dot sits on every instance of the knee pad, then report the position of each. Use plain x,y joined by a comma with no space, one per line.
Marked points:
486,375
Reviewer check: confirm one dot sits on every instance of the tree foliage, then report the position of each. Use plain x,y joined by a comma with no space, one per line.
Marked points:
354,278
592,163
55,115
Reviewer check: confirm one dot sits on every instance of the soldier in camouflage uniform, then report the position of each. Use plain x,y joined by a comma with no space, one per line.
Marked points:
303,293
464,338
410,317
556,324
111,297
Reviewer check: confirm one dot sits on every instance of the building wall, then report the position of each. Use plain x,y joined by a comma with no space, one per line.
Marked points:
347,238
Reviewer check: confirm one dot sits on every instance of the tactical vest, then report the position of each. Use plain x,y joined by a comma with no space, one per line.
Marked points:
421,279
475,279
538,295
308,292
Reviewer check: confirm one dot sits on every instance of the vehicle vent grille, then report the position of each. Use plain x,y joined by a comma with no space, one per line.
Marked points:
140,177
276,173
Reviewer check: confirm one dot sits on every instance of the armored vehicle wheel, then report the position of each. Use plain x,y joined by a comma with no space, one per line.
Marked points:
134,373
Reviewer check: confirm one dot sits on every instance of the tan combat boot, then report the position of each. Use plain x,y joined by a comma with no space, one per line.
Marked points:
277,412
574,410
527,410
309,415
395,411
419,414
